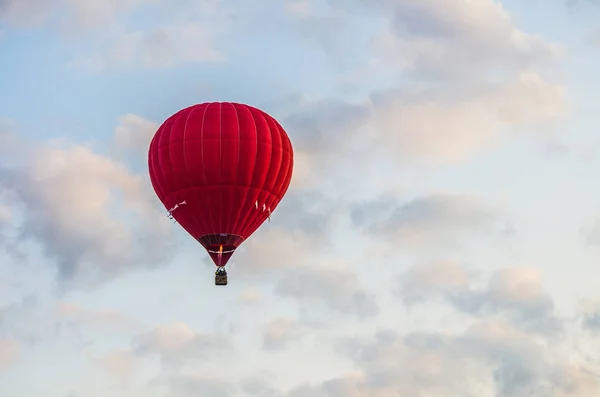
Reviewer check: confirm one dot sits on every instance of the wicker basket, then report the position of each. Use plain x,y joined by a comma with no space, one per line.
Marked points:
221,280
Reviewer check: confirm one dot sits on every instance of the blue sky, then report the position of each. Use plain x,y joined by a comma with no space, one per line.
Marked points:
440,237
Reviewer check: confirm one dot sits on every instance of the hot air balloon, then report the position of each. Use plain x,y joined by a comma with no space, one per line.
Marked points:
220,169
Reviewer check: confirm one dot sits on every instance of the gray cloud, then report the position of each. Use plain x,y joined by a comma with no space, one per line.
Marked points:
456,39
350,386
324,126
37,319
431,280
591,321
426,39
590,318
489,359
90,214
259,388
515,292
301,229
442,219
423,122
336,289
176,344
279,333
28,319
310,212
468,76
198,386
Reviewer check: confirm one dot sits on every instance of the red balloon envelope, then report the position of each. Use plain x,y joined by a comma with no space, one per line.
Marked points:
220,169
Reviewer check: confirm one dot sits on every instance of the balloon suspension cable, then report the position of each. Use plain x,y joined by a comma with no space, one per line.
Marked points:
170,212
264,209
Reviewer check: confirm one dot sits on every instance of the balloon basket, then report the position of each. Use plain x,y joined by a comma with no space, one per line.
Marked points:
221,280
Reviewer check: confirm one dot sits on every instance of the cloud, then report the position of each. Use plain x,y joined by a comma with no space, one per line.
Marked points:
177,344
26,12
515,292
259,388
298,7
488,359
332,26
249,296
98,11
351,386
163,47
68,14
324,124
438,125
592,38
425,39
579,3
119,364
18,316
448,125
5,215
36,319
90,213
323,132
134,133
301,229
94,318
591,233
331,287
189,385
590,317
9,351
443,219
430,280
7,134
459,78
278,333
89,14
456,39
182,38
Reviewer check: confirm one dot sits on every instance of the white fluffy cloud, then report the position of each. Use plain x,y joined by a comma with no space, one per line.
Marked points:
134,133
91,215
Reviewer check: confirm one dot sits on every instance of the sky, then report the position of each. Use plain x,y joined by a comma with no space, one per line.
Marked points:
440,237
